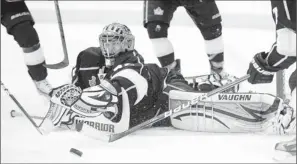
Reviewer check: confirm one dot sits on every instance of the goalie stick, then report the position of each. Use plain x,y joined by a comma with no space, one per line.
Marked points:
40,130
65,61
88,130
14,113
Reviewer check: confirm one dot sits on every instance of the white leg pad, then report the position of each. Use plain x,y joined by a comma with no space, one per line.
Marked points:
228,112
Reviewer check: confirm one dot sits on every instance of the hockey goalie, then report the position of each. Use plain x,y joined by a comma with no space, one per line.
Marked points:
113,90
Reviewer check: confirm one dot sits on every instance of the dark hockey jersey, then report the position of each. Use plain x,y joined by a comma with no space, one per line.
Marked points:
142,82
284,13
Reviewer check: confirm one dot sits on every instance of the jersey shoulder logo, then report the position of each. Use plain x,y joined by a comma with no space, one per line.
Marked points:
158,11
92,81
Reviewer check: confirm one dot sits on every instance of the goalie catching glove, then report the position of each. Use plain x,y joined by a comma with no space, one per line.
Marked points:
69,105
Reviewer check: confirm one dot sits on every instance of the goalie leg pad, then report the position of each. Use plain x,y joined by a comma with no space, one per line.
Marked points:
237,113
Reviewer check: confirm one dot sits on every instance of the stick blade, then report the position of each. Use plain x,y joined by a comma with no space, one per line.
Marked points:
60,65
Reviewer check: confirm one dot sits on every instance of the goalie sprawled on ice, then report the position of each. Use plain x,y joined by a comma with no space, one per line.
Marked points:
113,91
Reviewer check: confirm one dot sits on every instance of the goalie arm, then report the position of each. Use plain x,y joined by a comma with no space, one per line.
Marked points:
88,63
108,103
97,106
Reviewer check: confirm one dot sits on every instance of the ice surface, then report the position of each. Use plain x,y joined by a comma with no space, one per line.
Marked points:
20,142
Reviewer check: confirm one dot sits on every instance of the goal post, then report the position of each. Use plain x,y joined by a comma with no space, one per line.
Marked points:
280,84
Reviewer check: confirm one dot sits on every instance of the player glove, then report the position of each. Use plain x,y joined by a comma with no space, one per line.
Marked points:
62,99
259,70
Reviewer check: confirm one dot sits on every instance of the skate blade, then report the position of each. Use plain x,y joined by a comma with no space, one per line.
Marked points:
285,157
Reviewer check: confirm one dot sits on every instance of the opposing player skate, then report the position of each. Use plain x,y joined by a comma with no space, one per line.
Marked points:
285,152
285,121
44,87
214,80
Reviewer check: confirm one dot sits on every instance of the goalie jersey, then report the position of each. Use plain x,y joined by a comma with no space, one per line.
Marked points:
142,82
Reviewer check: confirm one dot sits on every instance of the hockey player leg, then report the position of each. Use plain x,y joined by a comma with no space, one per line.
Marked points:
162,46
289,115
158,15
27,37
285,151
19,23
283,54
207,18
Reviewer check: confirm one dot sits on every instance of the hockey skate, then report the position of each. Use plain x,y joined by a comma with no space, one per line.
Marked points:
288,120
175,72
44,87
284,122
285,152
215,80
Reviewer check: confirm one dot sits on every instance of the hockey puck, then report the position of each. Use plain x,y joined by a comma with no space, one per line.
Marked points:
12,112
76,152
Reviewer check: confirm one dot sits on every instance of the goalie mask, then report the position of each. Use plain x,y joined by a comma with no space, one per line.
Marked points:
114,39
